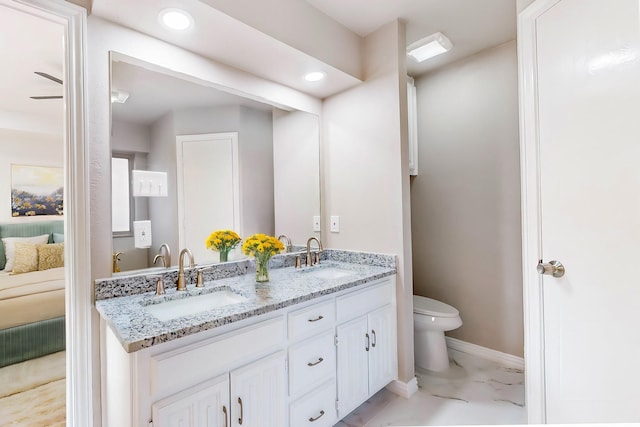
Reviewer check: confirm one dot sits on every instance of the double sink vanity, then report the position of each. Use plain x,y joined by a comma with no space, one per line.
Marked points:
304,349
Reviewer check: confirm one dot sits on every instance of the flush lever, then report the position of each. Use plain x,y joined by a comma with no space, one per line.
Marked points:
554,268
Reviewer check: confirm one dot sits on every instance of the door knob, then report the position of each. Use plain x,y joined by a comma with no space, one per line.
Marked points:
554,268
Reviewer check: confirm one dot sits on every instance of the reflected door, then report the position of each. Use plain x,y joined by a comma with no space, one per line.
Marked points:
208,190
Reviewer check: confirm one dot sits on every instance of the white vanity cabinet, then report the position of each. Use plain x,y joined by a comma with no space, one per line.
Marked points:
366,344
304,365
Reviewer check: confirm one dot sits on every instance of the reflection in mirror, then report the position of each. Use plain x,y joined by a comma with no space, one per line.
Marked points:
225,162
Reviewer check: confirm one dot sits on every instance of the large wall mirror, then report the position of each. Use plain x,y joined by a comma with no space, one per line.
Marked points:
211,159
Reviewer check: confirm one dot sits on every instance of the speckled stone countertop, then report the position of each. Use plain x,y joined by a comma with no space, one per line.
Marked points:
137,328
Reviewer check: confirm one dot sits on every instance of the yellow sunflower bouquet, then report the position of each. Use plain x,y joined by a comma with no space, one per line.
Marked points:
262,247
223,241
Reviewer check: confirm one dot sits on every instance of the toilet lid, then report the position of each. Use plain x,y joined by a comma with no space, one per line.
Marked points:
432,307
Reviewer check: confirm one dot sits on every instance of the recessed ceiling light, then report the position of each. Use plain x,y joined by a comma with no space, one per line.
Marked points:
315,76
175,19
428,47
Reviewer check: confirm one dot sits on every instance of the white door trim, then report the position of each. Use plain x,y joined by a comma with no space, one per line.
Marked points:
531,218
78,285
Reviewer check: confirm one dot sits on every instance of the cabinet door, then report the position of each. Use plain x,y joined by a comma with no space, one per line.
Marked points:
353,385
206,405
258,393
383,359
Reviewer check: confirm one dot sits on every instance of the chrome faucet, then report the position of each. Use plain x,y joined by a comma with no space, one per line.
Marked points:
165,258
311,261
182,286
288,246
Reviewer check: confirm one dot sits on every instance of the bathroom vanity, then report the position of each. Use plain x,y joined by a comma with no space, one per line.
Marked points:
306,348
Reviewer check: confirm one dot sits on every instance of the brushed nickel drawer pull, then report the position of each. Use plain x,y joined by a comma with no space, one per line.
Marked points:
226,418
316,319
240,419
317,418
375,339
368,342
320,359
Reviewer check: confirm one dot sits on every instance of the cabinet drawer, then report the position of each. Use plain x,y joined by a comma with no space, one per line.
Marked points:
361,302
311,363
184,367
316,409
311,320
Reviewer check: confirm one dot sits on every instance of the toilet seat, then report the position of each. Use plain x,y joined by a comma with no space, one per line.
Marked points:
432,307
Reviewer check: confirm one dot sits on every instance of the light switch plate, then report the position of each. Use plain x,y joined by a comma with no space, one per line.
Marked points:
335,224
316,223
149,183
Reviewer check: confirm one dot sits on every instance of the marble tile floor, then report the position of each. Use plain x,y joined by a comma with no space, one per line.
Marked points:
474,391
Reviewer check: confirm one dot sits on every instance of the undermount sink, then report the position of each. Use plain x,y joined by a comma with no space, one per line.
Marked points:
172,309
329,272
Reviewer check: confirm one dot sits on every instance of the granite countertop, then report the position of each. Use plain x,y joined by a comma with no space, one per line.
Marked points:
137,328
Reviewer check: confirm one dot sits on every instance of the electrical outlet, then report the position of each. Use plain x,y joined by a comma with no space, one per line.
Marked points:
316,223
335,224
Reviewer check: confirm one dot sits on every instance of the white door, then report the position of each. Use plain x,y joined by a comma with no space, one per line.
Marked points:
208,190
383,364
258,393
581,197
206,405
353,361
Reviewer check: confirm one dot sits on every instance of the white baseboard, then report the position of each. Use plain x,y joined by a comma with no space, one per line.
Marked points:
405,390
506,360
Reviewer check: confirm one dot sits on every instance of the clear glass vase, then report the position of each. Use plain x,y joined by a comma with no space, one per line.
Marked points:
224,255
262,269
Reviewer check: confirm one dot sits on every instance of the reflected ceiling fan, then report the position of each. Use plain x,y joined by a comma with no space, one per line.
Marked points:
53,79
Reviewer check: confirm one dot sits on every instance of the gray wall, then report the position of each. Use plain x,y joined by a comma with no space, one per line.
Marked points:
466,198
132,139
255,151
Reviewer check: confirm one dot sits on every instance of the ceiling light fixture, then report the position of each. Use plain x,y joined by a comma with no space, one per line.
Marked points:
119,96
428,47
315,76
175,19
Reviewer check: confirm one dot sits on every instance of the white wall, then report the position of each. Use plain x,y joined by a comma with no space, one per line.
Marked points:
365,169
296,159
25,148
466,199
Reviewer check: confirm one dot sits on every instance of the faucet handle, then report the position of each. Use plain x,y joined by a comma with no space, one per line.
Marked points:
159,284
200,278
297,264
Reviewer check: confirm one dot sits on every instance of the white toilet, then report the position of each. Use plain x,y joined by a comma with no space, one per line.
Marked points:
431,319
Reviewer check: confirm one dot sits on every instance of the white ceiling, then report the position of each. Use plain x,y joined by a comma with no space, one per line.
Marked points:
32,44
153,94
210,35
471,25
